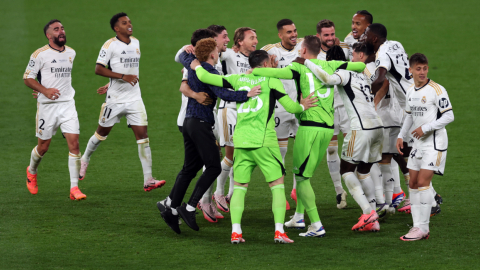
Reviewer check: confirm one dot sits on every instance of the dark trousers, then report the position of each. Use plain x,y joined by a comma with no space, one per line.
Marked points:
200,149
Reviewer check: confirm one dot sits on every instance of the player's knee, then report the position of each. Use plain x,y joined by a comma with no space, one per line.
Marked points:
332,150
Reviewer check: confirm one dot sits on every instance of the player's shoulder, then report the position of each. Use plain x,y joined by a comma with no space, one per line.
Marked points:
109,42
437,87
133,38
269,47
37,52
343,45
369,70
69,49
300,41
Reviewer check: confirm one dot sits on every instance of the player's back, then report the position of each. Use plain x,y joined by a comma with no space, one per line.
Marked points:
356,94
392,56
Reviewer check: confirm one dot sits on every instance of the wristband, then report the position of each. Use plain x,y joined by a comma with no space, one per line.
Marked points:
303,108
122,76
198,67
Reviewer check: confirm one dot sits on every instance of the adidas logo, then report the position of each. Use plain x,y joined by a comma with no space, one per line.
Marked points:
431,164
238,56
124,52
391,180
283,59
54,61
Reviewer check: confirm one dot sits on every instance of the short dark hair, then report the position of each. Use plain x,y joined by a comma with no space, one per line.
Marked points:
283,22
313,44
240,34
201,34
367,15
48,25
418,58
324,24
115,18
217,28
361,47
378,29
257,58
336,53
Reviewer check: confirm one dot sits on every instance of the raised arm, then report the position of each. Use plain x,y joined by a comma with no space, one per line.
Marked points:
322,75
280,73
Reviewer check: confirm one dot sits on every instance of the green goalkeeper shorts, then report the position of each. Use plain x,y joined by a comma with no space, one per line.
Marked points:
309,149
268,159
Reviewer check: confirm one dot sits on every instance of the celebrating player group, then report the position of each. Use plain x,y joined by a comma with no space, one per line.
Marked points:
314,88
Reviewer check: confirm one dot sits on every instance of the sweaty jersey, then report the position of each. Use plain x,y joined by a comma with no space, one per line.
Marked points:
255,124
122,58
337,101
388,108
392,56
350,40
284,58
233,63
52,69
426,104
354,89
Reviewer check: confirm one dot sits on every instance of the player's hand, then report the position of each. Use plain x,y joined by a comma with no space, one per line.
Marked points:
299,60
235,48
195,63
203,98
337,41
35,94
309,101
255,91
190,49
102,90
273,62
131,79
52,93
182,70
400,146
418,133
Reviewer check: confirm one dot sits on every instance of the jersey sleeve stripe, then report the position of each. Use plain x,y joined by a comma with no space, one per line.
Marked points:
38,51
25,75
446,110
436,87
267,47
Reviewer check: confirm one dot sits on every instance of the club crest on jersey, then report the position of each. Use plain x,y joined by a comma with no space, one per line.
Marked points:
70,59
103,120
424,100
138,51
40,132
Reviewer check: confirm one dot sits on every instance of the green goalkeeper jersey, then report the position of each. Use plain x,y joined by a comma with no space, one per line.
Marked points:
307,83
255,125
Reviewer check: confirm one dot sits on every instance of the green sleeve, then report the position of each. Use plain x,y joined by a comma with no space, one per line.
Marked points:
280,73
279,93
352,66
209,78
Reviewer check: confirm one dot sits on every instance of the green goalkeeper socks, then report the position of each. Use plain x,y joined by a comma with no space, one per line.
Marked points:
306,196
279,203
237,204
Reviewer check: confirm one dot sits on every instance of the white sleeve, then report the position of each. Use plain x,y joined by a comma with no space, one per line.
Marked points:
185,74
224,55
323,76
177,56
383,60
105,53
33,67
406,126
440,123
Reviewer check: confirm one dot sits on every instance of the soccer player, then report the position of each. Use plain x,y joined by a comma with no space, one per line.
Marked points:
363,144
326,34
429,110
119,61
49,73
285,52
199,141
315,131
255,139
360,21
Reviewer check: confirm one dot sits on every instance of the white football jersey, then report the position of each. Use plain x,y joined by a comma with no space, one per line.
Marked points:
427,104
357,98
52,69
233,63
350,40
285,58
122,58
392,56
388,108
337,100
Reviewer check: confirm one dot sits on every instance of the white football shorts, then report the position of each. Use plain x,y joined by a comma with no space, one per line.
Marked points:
390,140
227,120
50,116
341,121
286,124
428,160
134,111
363,146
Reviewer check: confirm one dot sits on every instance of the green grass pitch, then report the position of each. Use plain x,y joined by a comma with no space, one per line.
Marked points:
119,226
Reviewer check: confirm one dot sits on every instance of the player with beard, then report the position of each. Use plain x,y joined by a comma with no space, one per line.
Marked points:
285,52
360,21
49,74
121,55
326,34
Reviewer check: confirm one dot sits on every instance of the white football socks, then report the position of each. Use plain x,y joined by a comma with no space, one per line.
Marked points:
376,175
388,181
333,162
368,188
74,168
145,154
222,178
92,145
279,227
415,207
434,202
236,228
35,159
231,187
298,216
356,190
426,199
396,176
